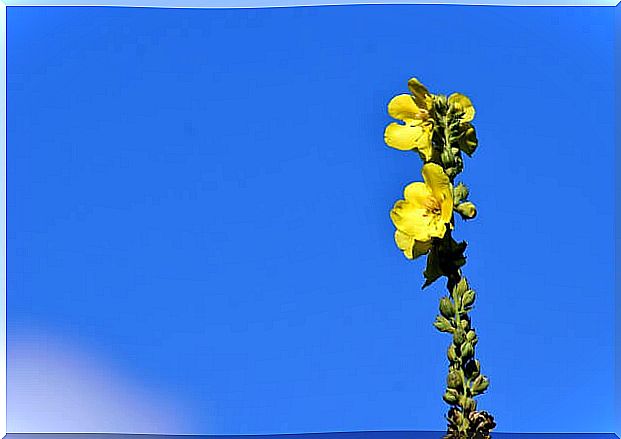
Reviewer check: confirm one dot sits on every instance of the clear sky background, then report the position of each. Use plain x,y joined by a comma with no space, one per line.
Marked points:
198,238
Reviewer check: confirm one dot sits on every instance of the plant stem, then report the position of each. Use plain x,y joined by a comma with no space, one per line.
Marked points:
453,280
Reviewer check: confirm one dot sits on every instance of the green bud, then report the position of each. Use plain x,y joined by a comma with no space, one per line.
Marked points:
446,307
460,193
453,380
451,396
472,369
466,210
471,335
452,354
458,417
467,350
447,158
465,424
442,324
468,298
461,288
467,403
459,336
441,102
452,171
480,385
455,130
464,324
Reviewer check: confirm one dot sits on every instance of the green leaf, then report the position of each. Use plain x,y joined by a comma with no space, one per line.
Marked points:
433,271
444,259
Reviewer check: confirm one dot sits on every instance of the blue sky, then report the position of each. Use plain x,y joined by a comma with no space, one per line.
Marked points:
197,214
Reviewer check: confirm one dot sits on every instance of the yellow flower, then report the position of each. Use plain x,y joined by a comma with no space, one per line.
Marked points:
462,103
425,212
417,128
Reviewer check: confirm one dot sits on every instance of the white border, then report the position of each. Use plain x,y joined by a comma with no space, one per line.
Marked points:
2,219
190,4
219,4
617,225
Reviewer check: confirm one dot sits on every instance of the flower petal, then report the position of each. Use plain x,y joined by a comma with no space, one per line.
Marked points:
411,248
441,189
462,103
420,93
402,107
406,137
405,243
417,194
411,220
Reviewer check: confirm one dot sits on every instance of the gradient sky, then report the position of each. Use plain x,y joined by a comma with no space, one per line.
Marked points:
198,218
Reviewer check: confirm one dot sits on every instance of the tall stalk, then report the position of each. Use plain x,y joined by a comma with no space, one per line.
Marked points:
439,129
464,380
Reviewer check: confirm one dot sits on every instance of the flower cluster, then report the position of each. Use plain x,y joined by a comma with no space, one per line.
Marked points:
439,129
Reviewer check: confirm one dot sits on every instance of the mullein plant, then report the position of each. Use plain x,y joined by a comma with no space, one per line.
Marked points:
439,129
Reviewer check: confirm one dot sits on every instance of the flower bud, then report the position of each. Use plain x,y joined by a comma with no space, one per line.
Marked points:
451,396
448,159
467,403
446,307
459,336
467,210
452,353
455,417
442,324
480,385
460,193
472,369
467,350
453,380
452,171
461,288
471,335
468,298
